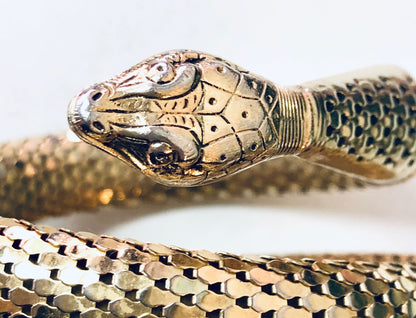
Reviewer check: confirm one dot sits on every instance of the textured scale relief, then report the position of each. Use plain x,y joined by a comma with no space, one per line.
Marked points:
47,272
53,175
373,120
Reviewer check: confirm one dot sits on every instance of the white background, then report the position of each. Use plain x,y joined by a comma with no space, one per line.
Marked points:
52,49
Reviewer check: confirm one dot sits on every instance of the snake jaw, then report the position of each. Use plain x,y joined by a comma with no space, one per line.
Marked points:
141,146
181,142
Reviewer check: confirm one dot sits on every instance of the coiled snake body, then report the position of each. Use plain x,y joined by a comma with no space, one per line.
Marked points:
186,119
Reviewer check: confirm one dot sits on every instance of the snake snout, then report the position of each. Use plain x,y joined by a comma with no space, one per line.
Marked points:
84,115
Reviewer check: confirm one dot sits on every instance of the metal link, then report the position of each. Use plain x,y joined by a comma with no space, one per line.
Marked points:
41,276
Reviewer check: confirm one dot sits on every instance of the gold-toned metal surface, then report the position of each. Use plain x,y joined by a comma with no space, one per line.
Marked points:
187,118
58,273
54,175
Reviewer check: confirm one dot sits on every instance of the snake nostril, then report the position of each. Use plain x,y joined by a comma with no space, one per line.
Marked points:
98,126
96,96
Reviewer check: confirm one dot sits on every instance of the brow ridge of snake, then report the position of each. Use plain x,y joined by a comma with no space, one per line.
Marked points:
203,129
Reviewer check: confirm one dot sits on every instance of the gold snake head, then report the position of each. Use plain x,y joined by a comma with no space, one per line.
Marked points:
150,115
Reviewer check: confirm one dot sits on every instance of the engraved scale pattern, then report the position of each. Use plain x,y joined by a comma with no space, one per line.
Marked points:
239,115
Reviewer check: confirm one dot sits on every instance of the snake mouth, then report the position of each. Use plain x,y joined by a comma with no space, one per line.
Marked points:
132,151
135,153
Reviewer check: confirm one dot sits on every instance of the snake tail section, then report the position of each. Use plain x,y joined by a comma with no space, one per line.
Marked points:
53,175
47,272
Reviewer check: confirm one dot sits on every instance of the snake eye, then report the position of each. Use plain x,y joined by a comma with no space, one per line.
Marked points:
161,72
160,154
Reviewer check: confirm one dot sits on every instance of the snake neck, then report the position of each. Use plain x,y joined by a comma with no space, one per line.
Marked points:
294,121
361,123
